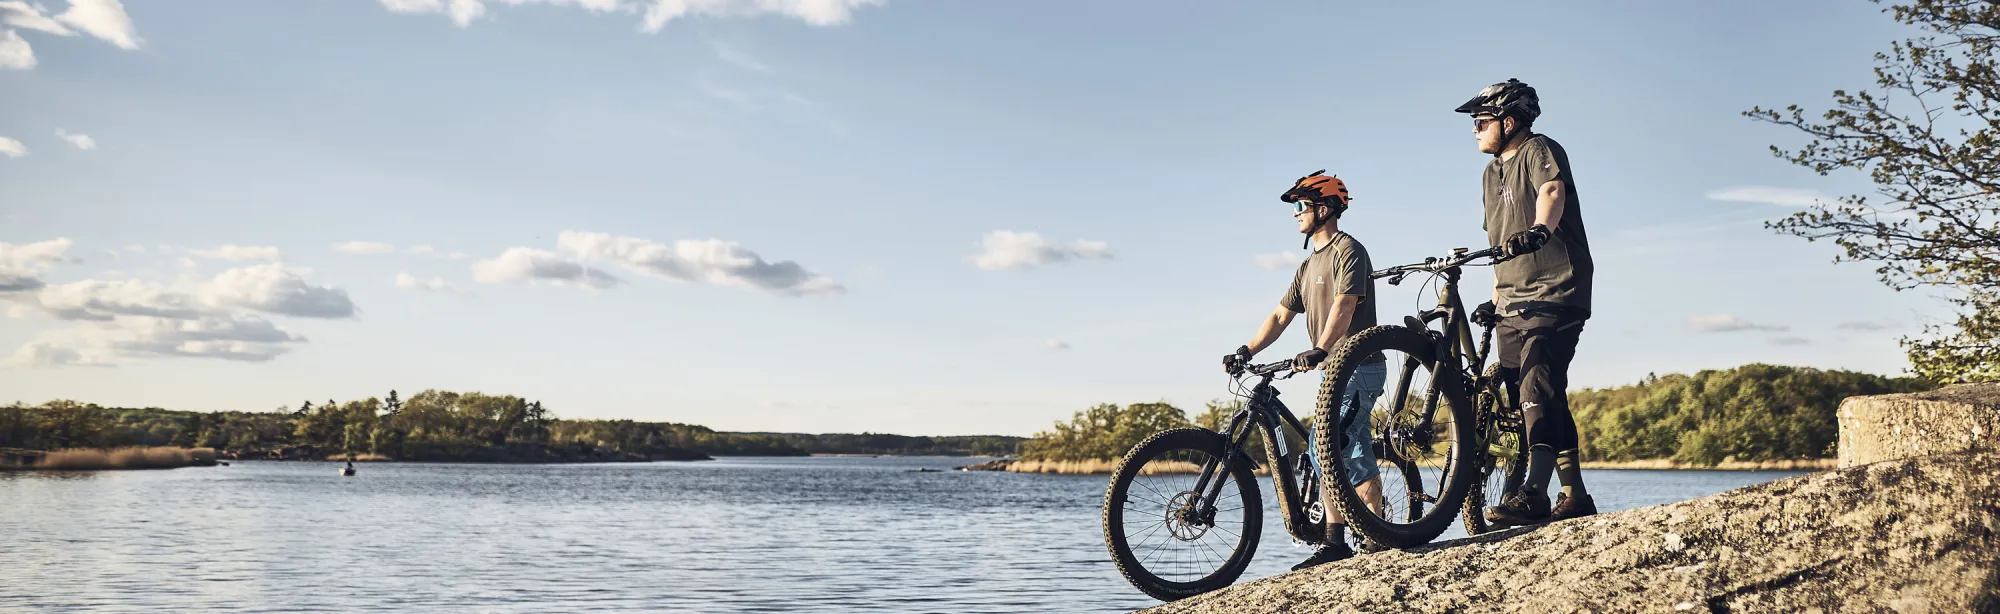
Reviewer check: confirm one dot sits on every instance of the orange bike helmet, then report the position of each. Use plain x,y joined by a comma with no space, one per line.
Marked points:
1319,188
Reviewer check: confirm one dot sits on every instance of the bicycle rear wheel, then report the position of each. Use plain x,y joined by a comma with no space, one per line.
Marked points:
1157,525
1419,429
1502,463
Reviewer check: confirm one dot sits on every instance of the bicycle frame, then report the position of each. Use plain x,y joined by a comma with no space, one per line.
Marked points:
1267,415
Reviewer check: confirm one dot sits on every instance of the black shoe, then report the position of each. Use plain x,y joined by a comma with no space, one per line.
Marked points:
1526,506
1568,507
1326,554
1369,546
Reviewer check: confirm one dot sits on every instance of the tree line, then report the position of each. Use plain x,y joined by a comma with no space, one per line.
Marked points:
1752,412
438,425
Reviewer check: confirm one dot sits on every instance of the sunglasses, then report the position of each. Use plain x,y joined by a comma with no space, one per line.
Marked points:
1301,205
1480,124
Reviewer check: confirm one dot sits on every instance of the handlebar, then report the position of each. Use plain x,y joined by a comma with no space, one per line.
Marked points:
1283,368
1436,264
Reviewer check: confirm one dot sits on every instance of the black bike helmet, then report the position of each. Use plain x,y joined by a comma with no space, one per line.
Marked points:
1502,99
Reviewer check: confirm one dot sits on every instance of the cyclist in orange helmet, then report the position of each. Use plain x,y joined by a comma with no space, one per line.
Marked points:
1335,291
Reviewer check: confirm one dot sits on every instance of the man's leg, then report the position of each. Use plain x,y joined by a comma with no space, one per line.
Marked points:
1525,347
1576,500
1357,455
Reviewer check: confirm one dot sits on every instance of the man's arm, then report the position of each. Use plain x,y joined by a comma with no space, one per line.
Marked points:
1337,319
1273,326
1549,203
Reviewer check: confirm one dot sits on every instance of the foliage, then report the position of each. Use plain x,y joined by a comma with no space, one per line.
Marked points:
1102,432
1929,139
431,425
1752,412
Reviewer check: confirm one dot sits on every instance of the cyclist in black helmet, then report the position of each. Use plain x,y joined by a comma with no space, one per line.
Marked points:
1541,296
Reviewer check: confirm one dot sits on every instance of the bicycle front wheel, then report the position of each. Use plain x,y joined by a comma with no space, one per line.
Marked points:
1169,537
1419,433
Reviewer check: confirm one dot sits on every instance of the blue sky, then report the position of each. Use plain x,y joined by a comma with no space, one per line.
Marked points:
840,215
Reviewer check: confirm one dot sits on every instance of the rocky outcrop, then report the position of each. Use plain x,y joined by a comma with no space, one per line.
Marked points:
1918,535
1891,426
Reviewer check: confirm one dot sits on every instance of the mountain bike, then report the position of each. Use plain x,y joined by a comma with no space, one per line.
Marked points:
1446,424
1183,514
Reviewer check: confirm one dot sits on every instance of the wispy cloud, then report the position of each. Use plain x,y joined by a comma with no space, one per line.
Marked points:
1002,250
1866,327
1725,323
654,14
1790,341
523,265
407,281
1057,344
1278,261
1783,197
239,252
10,147
713,261
737,58
21,264
364,247
81,141
15,53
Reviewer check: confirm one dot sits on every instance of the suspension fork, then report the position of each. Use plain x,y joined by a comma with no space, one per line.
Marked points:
1210,483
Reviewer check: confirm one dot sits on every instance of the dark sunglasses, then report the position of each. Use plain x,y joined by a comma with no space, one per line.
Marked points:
1480,124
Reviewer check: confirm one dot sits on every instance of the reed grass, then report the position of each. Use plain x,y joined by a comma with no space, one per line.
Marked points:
124,458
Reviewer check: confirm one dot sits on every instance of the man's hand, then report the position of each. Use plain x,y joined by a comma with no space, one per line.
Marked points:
1527,241
1308,359
1485,314
1234,361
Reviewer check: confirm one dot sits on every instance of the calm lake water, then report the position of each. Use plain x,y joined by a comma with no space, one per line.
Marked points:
733,535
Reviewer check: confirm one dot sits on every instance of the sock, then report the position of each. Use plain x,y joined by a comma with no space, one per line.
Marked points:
1336,534
1570,470
1541,463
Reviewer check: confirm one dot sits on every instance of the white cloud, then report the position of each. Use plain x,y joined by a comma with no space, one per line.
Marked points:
1725,323
1866,327
239,252
15,54
1790,341
229,337
708,260
10,147
276,289
26,16
1057,344
102,300
1278,261
815,12
81,141
457,256
654,13
104,19
21,264
525,265
407,281
136,248
420,249
1783,197
1002,250
364,247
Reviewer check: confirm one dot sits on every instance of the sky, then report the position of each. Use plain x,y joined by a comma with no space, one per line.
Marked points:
905,216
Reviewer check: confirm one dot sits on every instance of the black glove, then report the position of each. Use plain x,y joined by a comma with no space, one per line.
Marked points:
1233,362
1308,359
1527,241
1485,314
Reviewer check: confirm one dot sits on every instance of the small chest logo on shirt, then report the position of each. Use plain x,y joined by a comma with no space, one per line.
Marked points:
1507,196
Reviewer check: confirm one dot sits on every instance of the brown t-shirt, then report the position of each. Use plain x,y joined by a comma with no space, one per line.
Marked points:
1339,267
1558,274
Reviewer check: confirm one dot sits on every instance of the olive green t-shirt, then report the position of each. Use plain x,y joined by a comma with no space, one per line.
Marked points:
1339,267
1559,273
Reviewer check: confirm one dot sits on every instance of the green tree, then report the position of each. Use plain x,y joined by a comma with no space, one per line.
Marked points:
1105,431
1928,136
